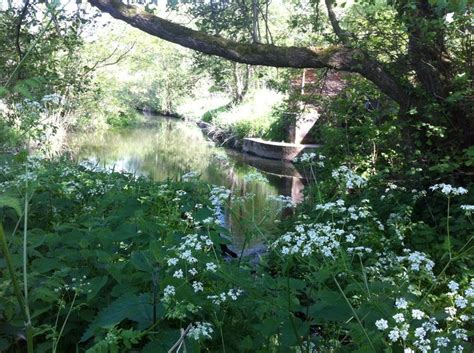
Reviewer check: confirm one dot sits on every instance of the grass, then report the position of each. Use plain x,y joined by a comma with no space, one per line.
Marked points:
251,118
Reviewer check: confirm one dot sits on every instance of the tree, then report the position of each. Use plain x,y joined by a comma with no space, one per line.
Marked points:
337,57
427,54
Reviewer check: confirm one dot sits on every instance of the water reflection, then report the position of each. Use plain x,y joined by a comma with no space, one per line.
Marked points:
168,148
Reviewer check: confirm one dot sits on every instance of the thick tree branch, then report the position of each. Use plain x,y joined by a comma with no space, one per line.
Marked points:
335,57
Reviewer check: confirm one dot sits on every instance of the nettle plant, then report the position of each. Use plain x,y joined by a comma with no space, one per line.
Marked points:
101,251
365,287
117,263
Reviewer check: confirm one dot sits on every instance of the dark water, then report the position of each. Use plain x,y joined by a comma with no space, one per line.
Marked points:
168,148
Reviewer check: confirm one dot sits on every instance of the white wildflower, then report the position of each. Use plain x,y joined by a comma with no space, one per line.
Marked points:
401,303
394,335
453,286
169,291
381,324
211,266
178,274
399,318
417,314
200,330
197,286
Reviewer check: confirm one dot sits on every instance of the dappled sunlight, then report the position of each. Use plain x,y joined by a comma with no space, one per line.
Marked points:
263,176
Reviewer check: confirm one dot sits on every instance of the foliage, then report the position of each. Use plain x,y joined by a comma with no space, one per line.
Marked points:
41,69
212,114
378,257
125,263
251,118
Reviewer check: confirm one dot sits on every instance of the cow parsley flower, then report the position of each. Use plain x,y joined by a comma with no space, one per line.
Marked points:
169,291
347,177
399,318
451,311
401,303
453,286
417,314
468,209
394,335
178,274
448,190
197,286
200,330
460,302
442,341
381,324
211,266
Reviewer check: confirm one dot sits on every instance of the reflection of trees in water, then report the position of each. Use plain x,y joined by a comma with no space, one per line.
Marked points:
172,148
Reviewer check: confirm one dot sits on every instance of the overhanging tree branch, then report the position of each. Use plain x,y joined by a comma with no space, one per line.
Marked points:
334,57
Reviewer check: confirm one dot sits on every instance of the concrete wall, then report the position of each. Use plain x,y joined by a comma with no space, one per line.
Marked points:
275,150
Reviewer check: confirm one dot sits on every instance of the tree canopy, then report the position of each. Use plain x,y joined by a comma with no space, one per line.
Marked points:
424,69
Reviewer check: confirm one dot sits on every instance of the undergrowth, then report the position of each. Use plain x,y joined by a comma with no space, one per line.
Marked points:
117,263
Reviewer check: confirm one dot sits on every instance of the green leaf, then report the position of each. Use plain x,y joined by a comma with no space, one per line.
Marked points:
127,307
97,284
142,260
23,89
12,202
3,92
44,265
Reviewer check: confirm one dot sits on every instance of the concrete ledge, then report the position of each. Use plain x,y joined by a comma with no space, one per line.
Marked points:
275,150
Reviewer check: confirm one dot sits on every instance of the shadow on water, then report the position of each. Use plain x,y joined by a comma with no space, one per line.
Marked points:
168,148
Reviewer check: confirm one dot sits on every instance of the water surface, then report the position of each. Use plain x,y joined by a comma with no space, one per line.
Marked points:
166,148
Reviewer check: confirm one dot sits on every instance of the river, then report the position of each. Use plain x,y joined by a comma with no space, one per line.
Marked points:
166,148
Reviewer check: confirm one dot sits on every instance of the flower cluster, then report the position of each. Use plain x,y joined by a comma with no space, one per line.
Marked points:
468,209
448,190
284,201
317,238
417,261
189,176
179,195
418,332
311,158
78,285
232,294
218,196
201,330
191,243
348,178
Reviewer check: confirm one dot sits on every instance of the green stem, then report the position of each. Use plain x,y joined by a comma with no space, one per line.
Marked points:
317,184
290,315
220,331
448,231
244,245
11,271
25,251
55,345
355,314
16,288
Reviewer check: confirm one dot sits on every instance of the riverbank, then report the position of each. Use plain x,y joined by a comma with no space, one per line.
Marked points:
103,242
220,136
